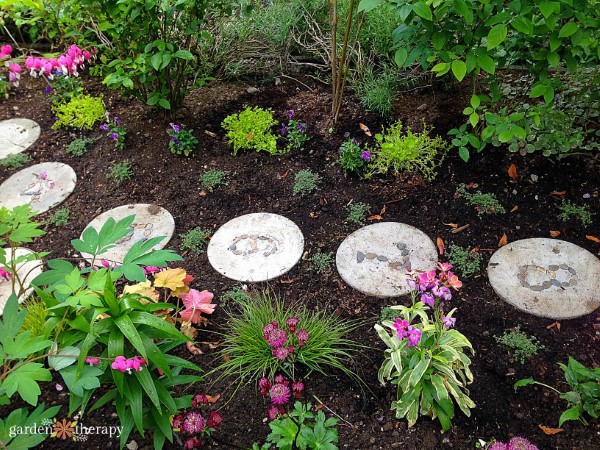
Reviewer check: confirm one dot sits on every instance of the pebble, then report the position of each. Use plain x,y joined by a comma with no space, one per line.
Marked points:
388,426
360,257
382,258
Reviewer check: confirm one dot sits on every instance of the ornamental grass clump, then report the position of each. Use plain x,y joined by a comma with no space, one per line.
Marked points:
266,337
425,356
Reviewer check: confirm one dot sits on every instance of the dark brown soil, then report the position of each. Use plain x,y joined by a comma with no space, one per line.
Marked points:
260,182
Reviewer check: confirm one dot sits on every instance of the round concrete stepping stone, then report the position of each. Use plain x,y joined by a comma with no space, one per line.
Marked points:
150,221
17,135
27,271
546,277
256,247
375,259
43,186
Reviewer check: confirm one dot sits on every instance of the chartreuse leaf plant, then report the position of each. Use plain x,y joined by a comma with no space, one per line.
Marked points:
120,341
425,357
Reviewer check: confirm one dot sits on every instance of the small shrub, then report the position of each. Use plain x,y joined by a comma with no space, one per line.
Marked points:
181,141
213,178
483,203
60,218
321,262
352,157
251,129
15,160
78,147
520,345
194,240
568,210
357,213
467,262
305,182
81,111
413,152
120,172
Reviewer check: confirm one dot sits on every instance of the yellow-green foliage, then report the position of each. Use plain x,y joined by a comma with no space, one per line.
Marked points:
251,129
413,152
36,316
81,111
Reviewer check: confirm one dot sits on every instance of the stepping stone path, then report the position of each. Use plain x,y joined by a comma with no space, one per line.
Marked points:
27,271
256,247
43,186
150,221
374,259
546,277
17,135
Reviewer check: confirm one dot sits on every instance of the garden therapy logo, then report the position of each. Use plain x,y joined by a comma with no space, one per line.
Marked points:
65,429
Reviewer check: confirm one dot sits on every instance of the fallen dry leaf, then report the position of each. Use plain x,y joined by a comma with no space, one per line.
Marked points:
382,212
193,349
471,185
514,208
440,245
375,217
451,225
287,172
365,129
319,406
512,173
554,233
503,240
593,238
552,325
475,249
212,398
549,430
558,193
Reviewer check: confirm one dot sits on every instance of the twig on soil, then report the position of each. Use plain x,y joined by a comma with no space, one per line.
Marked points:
333,412
298,81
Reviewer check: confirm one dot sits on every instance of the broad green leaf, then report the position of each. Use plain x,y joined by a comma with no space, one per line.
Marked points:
505,136
463,152
23,345
538,90
11,320
459,69
523,25
423,10
474,119
464,10
24,381
487,63
569,414
496,36
400,56
438,39
568,29
548,8
553,59
164,103
441,68
184,54
368,5
88,380
156,61
475,101
60,362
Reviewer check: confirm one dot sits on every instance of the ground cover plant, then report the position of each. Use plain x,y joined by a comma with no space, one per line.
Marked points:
365,411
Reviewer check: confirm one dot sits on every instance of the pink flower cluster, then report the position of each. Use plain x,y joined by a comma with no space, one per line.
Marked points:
4,274
279,392
195,424
516,443
14,69
278,337
404,330
68,63
433,285
127,364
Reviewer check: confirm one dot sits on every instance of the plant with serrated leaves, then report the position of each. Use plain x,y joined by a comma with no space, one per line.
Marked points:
305,182
15,161
425,357
21,418
81,111
466,261
300,428
120,172
357,212
213,178
251,129
61,217
321,262
568,210
484,203
519,344
195,240
584,396
78,147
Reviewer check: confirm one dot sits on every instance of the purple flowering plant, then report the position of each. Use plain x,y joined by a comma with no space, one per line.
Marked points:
181,141
425,356
352,157
115,130
294,132
194,426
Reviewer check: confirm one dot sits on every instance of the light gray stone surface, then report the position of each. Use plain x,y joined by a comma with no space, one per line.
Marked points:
43,186
546,277
150,221
27,271
375,259
17,135
256,247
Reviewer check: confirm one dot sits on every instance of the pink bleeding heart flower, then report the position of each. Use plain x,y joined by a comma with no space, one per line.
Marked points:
4,274
196,303
92,361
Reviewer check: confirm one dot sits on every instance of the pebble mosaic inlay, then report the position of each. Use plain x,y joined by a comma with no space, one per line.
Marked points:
375,259
43,186
27,271
256,247
547,278
17,135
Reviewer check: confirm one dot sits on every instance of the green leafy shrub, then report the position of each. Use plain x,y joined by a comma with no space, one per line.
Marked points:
181,141
464,260
64,88
519,344
21,418
352,157
305,182
251,130
321,262
195,240
568,210
60,218
78,146
213,178
321,347
377,91
413,152
483,203
357,212
15,160
81,111
120,172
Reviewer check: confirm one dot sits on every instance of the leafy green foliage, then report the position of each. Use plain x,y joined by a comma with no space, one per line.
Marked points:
65,88
61,217
321,262
251,129
351,157
181,141
78,146
568,210
195,240
414,152
305,182
388,313
584,396
35,320
483,203
377,91
357,212
81,111
294,133
15,160
18,420
120,172
213,178
519,344
464,260
236,295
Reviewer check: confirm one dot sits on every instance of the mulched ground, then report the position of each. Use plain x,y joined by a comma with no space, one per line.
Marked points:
259,182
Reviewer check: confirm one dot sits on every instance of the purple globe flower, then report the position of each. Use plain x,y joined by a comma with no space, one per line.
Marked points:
366,156
279,393
193,423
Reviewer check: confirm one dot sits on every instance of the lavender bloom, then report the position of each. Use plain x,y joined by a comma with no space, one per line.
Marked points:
48,89
346,135
291,114
104,127
428,299
176,128
414,336
117,121
283,129
174,139
366,156
114,137
302,127
448,322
